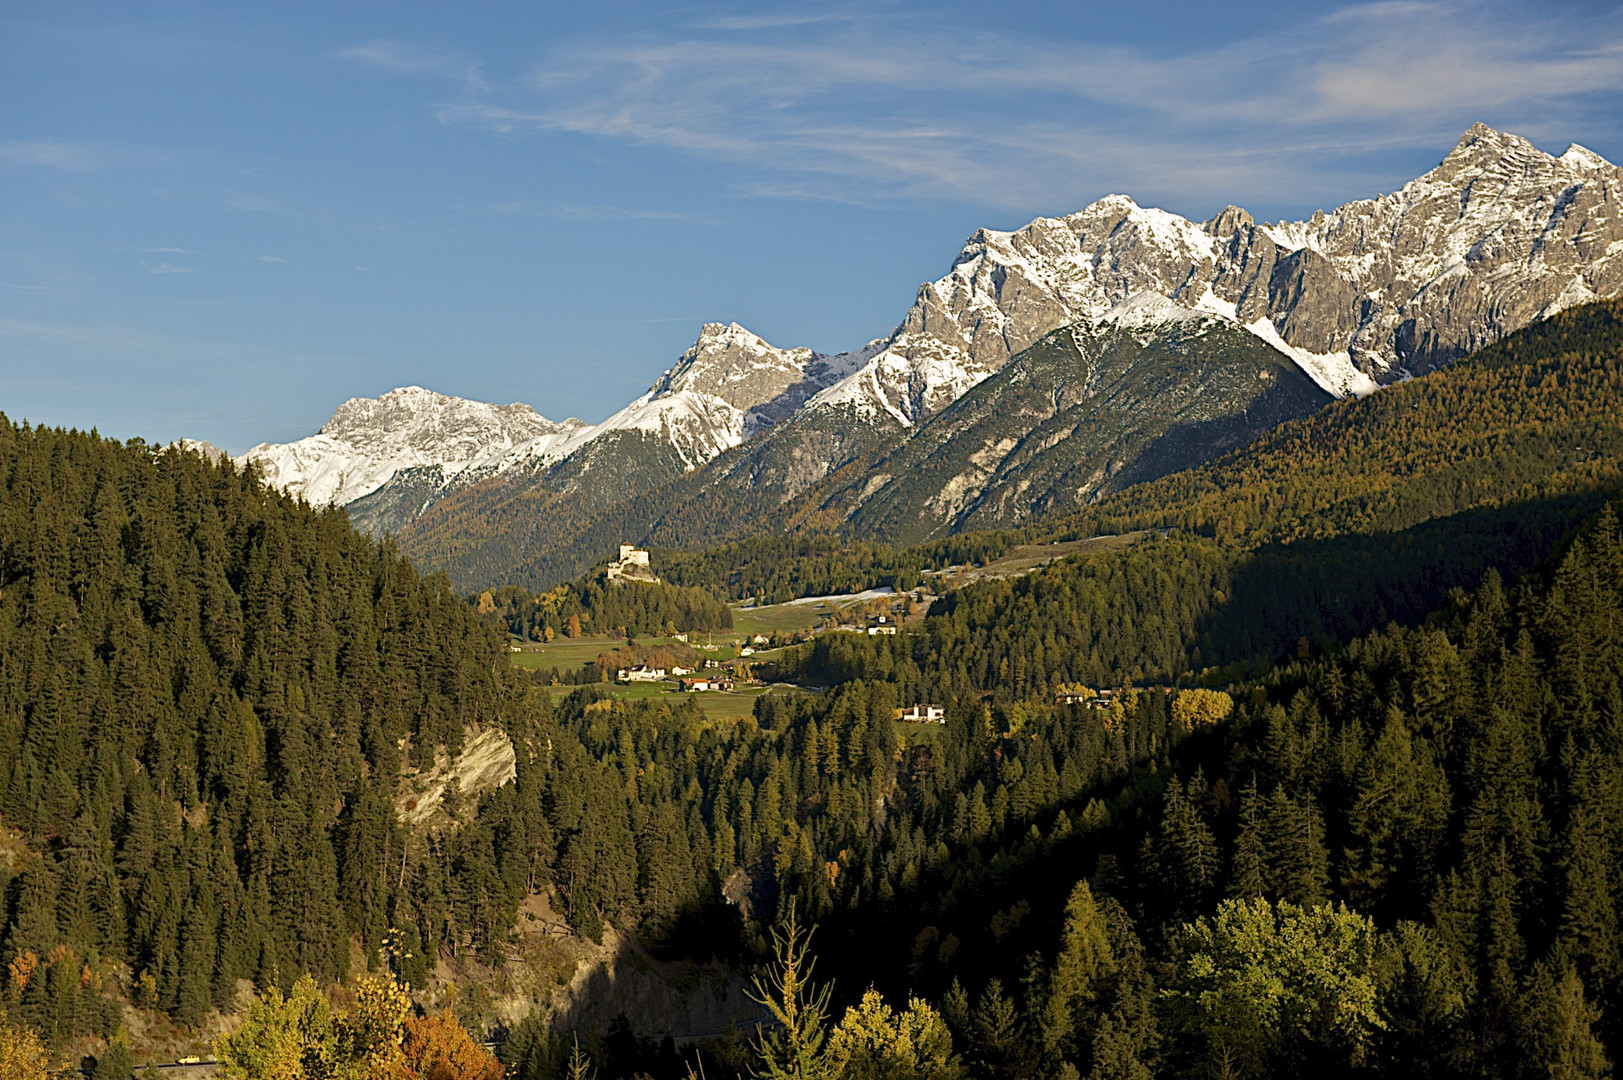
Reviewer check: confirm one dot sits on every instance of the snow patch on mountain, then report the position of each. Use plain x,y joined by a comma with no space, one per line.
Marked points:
1335,373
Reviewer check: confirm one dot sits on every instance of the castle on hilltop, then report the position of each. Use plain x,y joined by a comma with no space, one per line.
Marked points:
632,565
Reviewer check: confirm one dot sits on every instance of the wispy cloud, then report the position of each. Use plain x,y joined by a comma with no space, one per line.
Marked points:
37,290
195,254
585,212
69,157
849,107
776,21
167,268
403,58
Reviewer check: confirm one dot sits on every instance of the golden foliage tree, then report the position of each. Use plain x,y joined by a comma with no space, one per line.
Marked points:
22,1055
873,1042
1199,708
438,1048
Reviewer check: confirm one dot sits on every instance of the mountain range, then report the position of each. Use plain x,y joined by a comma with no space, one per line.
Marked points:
1050,365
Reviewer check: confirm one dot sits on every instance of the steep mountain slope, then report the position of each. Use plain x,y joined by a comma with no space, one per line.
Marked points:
1499,234
1089,409
1367,509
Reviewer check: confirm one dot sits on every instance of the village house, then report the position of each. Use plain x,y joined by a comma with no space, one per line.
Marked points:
881,624
923,714
641,673
705,682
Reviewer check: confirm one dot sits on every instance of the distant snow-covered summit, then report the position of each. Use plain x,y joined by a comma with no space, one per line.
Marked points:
369,439
728,385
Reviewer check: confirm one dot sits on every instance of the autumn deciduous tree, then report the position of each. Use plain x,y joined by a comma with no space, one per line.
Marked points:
1197,708
793,1046
872,1042
438,1048
22,1055
1275,988
302,1037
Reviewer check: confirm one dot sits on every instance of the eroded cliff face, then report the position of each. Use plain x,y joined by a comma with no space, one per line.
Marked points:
546,968
683,1000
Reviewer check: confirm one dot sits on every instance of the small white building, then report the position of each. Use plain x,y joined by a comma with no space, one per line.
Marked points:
924,714
641,673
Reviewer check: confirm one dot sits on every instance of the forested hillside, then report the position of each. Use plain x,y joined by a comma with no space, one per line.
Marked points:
1533,417
1396,860
1365,512
210,694
604,607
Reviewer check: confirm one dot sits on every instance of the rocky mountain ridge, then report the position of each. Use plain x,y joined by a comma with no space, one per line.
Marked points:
1498,235
727,386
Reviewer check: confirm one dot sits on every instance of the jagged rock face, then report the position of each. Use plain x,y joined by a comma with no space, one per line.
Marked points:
369,439
1498,235
727,387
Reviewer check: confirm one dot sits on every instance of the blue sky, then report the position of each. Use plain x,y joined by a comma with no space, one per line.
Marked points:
221,220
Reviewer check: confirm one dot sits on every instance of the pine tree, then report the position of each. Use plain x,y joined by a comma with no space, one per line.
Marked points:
1075,983
793,1045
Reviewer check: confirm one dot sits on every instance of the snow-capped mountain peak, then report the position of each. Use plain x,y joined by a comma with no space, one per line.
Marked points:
1497,235
729,385
369,439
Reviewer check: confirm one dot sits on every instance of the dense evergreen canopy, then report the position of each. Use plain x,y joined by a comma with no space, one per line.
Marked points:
1380,838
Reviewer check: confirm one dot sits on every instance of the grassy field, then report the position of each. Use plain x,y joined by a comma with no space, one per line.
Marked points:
919,734
715,705
776,618
569,654
1027,557
564,653
798,615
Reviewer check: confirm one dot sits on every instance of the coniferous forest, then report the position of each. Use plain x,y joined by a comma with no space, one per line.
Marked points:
1356,807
